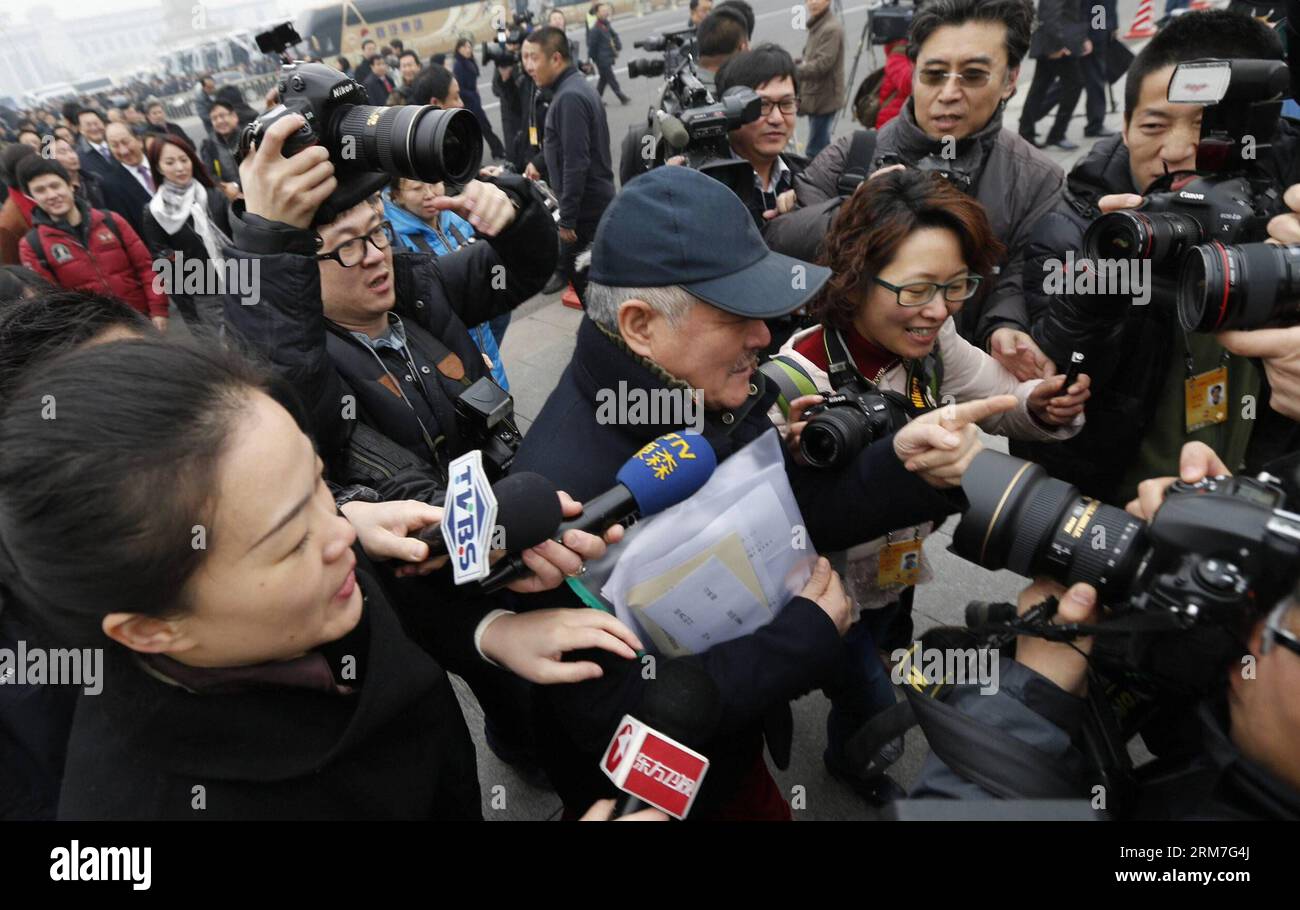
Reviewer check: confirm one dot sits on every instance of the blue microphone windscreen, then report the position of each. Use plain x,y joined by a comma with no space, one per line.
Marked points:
668,470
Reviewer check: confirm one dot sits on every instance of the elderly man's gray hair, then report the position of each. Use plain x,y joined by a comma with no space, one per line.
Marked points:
672,302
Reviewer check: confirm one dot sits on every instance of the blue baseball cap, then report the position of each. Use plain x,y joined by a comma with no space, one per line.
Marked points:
678,226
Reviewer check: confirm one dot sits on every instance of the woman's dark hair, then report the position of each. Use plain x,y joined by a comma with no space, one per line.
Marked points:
17,283
873,223
100,504
432,84
343,65
1016,15
1219,33
154,153
35,329
757,67
36,166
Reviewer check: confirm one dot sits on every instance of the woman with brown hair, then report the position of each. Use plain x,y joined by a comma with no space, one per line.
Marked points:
187,223
907,251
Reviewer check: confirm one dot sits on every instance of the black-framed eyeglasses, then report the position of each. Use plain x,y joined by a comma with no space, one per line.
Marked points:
1276,633
351,252
785,105
966,78
922,292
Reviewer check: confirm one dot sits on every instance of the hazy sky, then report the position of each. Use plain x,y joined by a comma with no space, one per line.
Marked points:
66,9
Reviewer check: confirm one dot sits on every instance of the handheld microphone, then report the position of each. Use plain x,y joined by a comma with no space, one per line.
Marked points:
667,471
528,510
673,131
652,760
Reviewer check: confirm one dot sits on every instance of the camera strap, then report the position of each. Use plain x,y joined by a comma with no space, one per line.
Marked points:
924,376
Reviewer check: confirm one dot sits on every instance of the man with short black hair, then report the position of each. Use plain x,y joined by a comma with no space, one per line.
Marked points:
92,147
79,248
363,68
770,71
699,9
722,34
1140,359
378,85
408,67
576,146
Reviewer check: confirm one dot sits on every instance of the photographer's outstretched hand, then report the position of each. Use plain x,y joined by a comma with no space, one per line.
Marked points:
483,205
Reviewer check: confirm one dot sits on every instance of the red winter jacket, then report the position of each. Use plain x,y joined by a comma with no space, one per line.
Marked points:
104,264
897,81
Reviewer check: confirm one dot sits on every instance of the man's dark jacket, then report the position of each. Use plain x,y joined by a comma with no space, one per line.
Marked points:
605,43
436,298
366,434
578,163
1218,782
123,193
1127,353
756,674
379,88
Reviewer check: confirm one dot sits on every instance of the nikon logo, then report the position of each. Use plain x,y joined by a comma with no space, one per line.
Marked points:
341,90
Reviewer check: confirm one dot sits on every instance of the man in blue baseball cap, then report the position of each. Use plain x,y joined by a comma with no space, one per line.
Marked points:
681,282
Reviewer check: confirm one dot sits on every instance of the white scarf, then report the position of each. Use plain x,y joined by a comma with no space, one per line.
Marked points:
174,205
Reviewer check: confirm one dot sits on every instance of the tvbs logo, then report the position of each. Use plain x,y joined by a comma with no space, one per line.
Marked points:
470,512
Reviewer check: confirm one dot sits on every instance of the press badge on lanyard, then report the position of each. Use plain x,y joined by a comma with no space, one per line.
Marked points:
900,562
1205,396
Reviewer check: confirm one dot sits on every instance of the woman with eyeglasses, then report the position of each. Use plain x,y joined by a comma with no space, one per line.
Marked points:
421,226
907,252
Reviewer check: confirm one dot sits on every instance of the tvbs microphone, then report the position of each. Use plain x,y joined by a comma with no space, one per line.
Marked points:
667,471
528,511
651,760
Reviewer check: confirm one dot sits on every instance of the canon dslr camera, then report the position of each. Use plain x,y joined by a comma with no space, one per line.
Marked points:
1207,228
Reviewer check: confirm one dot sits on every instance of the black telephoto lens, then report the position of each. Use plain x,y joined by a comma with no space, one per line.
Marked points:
1159,236
1244,286
1023,520
413,141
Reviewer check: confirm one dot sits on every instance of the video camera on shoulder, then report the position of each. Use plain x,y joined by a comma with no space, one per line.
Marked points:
890,22
689,121
498,52
1206,228
418,142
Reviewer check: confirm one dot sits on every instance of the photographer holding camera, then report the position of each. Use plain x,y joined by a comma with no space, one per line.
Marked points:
1248,765
967,57
1152,377
908,251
